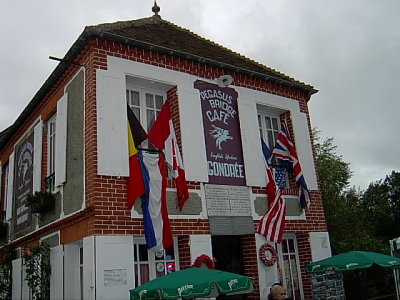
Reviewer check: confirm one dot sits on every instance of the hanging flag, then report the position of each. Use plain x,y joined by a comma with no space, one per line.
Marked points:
272,224
154,204
286,153
136,135
163,137
280,177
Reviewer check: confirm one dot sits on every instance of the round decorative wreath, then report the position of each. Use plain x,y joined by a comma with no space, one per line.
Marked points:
204,261
268,260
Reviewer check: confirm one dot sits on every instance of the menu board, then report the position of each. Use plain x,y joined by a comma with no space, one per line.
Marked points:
328,285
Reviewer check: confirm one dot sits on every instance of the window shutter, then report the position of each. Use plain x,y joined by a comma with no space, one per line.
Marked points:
16,278
61,140
71,267
112,131
37,157
56,276
304,149
200,244
121,248
89,270
251,144
10,187
193,143
320,245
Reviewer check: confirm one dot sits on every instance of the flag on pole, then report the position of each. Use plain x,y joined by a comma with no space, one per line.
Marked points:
136,135
286,153
163,137
272,224
154,203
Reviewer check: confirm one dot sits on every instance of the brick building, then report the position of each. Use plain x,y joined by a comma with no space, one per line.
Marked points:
71,139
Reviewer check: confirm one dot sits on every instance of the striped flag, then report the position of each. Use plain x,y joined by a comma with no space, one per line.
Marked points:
163,137
286,153
272,224
157,228
136,135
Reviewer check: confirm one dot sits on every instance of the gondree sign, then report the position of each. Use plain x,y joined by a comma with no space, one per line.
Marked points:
222,134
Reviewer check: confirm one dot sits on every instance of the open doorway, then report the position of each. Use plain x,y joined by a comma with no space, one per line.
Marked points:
227,251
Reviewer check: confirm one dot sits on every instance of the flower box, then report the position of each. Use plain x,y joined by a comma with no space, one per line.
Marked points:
41,202
3,230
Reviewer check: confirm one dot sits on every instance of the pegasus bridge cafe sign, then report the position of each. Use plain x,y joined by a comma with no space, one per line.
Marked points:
23,182
222,134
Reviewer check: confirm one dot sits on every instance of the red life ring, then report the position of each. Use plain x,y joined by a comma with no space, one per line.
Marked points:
204,260
268,260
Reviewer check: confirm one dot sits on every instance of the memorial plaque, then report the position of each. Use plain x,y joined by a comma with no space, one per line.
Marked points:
225,200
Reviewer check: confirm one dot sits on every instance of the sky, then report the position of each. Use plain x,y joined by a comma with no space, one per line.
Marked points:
347,49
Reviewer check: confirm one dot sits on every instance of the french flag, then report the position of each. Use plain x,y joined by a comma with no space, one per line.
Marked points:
163,137
154,205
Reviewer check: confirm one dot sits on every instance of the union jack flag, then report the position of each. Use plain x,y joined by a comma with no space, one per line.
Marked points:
272,224
286,153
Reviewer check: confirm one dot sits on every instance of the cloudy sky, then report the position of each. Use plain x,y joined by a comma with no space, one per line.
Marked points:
347,49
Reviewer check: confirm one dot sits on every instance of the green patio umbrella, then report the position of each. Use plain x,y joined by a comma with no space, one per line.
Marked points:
194,283
353,260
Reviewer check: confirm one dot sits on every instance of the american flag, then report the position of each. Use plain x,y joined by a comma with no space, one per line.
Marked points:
272,224
285,152
280,177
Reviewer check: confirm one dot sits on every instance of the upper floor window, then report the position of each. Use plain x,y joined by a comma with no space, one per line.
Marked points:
269,128
51,130
146,105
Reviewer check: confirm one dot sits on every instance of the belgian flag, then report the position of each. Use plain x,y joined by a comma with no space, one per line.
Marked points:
136,135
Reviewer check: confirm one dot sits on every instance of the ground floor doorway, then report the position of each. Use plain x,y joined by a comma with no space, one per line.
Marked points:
228,256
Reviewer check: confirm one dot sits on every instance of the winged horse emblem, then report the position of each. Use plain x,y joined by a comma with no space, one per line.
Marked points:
220,135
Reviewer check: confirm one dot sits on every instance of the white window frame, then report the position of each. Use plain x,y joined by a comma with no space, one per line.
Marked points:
51,149
152,259
294,253
142,117
264,128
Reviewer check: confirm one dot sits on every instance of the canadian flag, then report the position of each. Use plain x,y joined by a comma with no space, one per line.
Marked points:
163,137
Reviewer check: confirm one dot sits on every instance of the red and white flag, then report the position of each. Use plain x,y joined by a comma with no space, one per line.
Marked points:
272,224
163,137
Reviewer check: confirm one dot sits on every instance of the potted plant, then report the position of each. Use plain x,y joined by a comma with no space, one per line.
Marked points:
3,230
40,201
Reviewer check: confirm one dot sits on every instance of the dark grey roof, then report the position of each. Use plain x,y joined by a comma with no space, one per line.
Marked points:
162,36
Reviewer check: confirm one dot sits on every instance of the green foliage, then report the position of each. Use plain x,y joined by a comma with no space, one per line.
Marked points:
7,254
37,264
381,204
350,216
40,201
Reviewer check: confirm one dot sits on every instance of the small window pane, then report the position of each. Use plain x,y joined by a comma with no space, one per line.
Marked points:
291,245
149,100
143,253
268,122
169,253
284,246
275,124
259,121
150,119
159,101
136,112
135,98
271,143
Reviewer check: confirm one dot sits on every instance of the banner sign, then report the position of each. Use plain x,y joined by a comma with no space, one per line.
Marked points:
222,134
23,182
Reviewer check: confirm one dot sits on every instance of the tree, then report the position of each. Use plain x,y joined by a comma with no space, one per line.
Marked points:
344,213
381,204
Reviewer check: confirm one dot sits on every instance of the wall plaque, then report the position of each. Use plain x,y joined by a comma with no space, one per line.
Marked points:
225,200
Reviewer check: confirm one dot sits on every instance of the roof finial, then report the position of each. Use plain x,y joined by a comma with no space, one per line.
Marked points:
155,8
